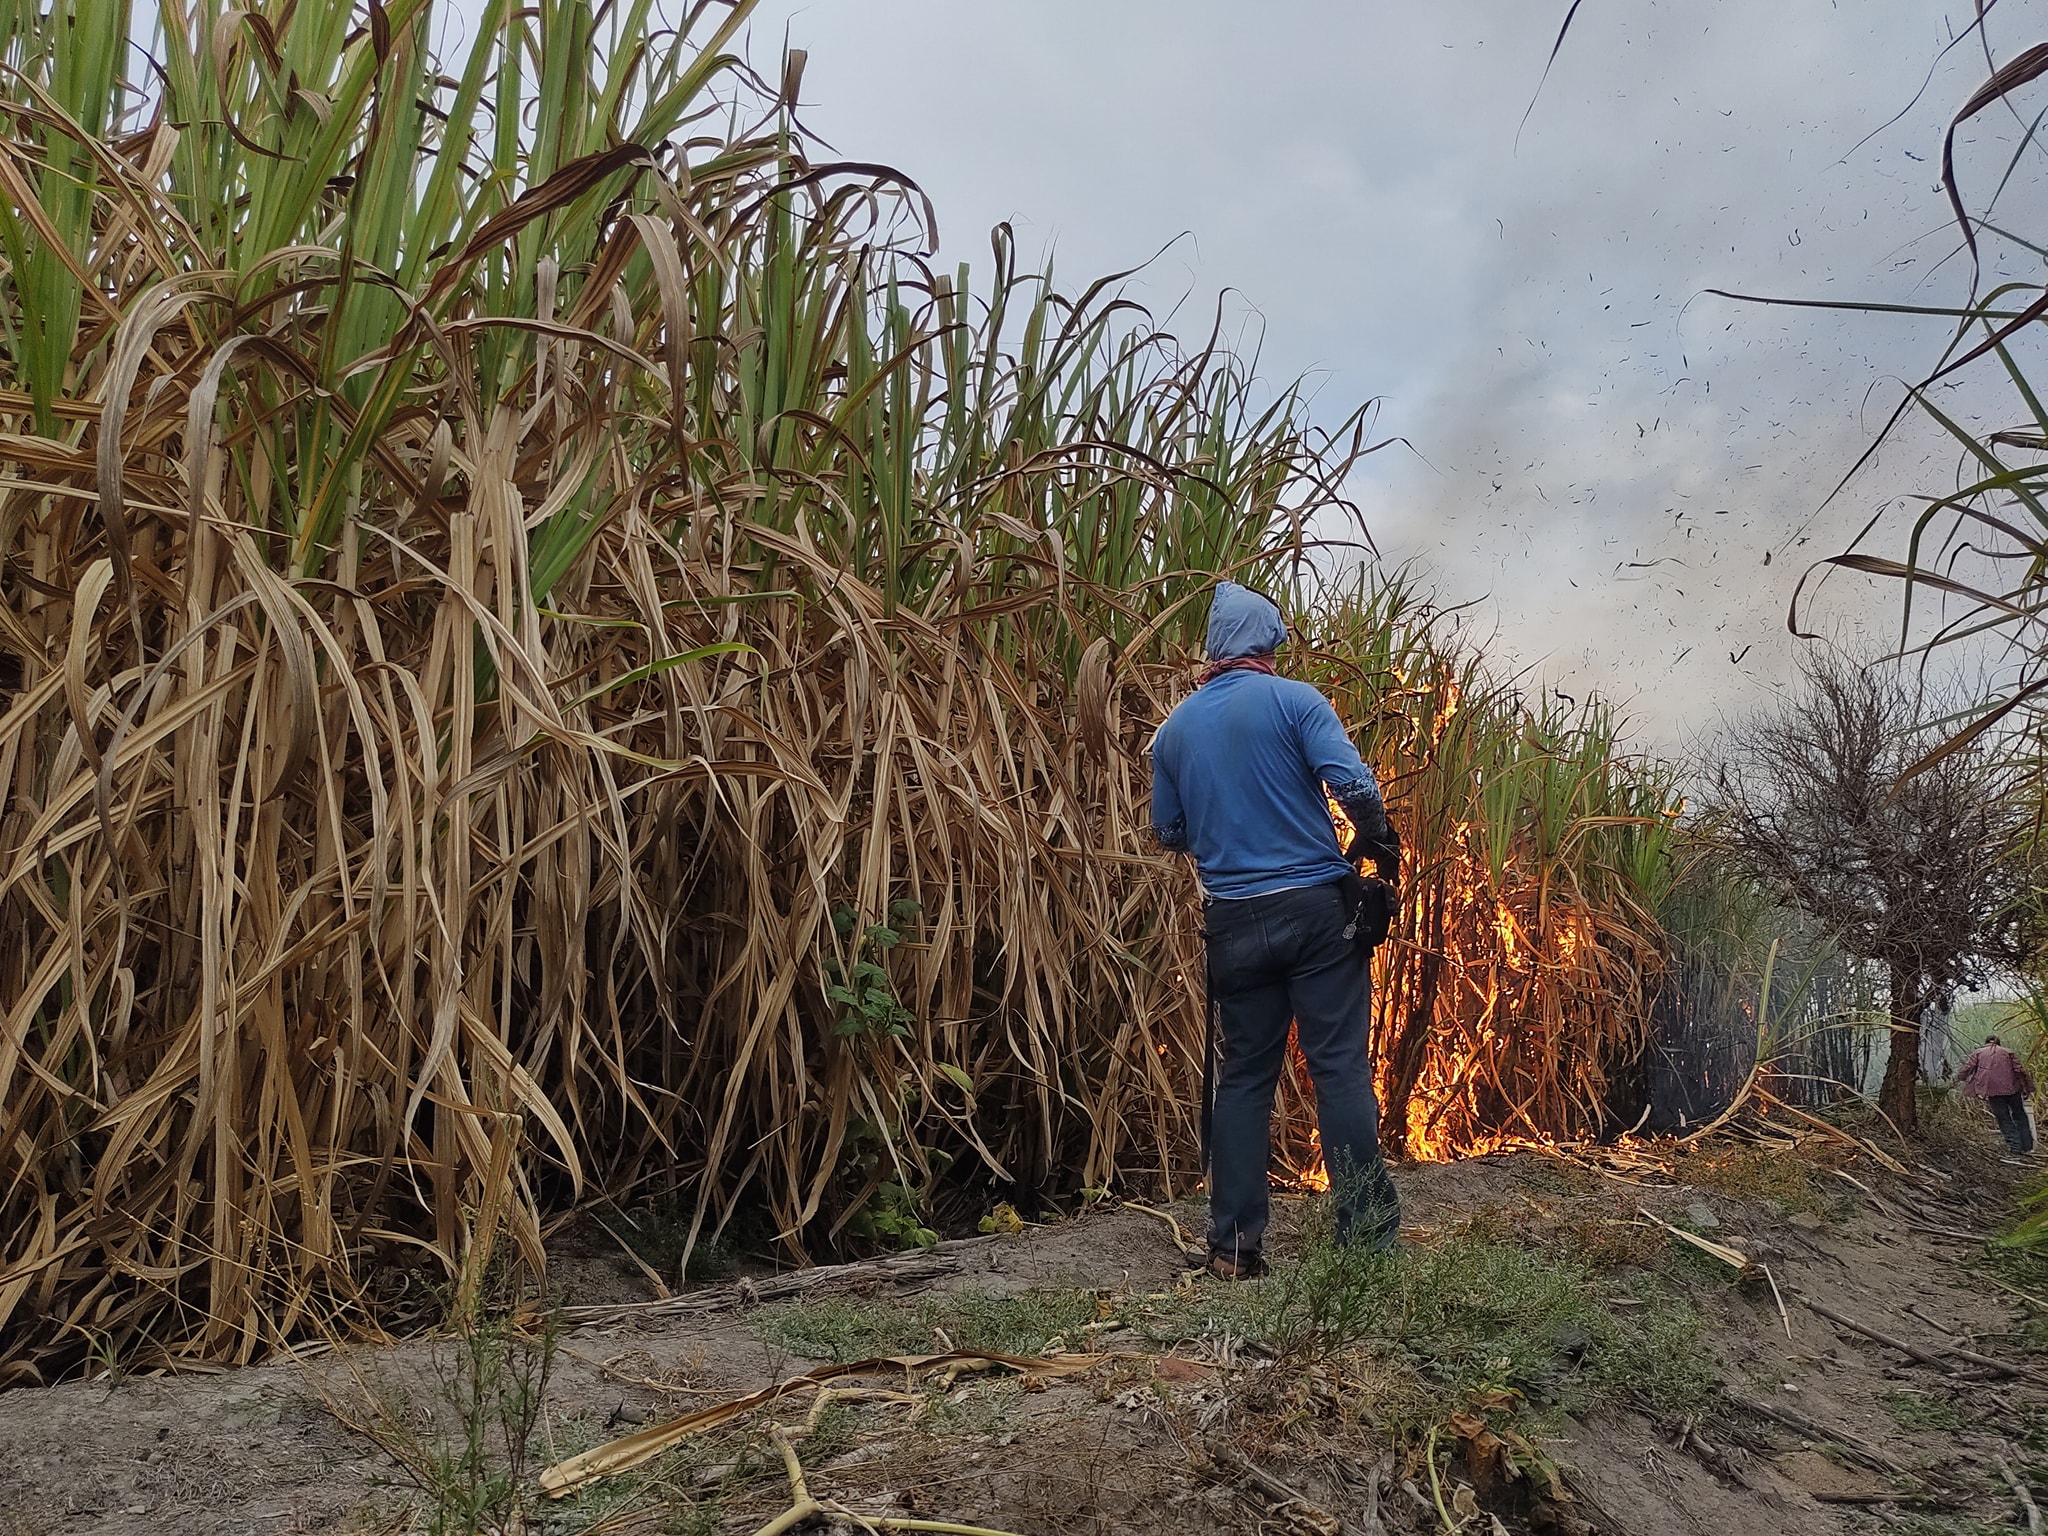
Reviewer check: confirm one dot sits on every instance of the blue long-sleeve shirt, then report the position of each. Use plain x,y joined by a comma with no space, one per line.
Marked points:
1238,778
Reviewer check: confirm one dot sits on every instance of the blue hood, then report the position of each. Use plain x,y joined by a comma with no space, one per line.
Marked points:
1242,623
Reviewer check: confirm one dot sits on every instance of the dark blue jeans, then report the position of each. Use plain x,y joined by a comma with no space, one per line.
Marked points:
1274,960
2010,1111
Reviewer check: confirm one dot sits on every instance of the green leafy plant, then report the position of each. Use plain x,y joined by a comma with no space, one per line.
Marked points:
2028,1234
891,1216
865,995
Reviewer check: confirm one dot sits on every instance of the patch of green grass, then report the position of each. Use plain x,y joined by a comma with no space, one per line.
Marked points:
1482,1320
1922,1410
1763,1174
1589,1239
984,1413
1655,1357
1474,1318
2027,1231
1947,1525
692,1520
658,1232
837,1429
2019,1258
2032,1433
842,1329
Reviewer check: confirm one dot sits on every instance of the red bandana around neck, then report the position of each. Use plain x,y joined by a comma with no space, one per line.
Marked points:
1216,669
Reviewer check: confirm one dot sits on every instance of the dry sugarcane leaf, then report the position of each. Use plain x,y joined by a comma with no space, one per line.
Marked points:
629,1451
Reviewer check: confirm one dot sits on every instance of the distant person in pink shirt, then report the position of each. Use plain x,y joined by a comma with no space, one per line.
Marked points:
1994,1074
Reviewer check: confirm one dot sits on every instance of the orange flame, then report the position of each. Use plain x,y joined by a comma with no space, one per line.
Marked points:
1512,959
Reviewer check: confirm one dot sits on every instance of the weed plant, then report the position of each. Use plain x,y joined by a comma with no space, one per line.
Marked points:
2019,1257
988,1412
467,1446
1476,1316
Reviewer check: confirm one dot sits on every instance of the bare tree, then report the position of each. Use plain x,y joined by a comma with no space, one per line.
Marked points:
1917,872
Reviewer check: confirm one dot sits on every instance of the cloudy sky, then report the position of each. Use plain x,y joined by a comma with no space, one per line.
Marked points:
1603,455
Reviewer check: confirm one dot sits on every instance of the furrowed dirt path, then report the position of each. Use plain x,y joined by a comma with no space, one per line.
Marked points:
1658,1391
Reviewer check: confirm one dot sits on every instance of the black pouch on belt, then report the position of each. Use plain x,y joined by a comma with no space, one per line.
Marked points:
1369,906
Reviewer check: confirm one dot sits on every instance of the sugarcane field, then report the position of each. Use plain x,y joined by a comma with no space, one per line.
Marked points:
1337,825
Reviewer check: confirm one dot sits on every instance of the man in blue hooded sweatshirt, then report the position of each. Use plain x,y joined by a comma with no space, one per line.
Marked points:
1239,775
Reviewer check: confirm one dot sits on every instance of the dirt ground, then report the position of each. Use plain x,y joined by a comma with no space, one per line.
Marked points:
1807,1425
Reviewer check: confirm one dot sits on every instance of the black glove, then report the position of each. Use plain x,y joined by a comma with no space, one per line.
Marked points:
1384,851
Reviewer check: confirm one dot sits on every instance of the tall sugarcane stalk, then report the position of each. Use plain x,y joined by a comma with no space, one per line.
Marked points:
553,653
516,575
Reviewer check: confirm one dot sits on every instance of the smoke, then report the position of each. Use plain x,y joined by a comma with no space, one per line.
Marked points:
1636,472
1626,471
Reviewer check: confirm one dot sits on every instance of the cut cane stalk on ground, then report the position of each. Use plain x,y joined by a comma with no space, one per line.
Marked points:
803,1507
637,1449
